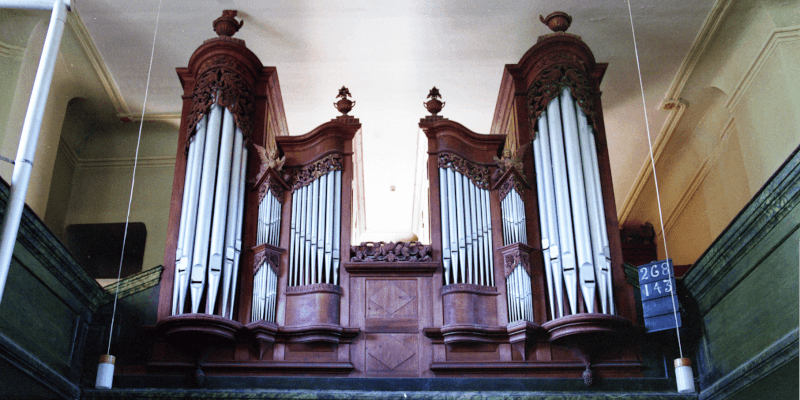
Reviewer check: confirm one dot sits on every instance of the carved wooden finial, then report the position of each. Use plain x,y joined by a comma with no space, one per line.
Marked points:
558,21
227,25
344,105
434,105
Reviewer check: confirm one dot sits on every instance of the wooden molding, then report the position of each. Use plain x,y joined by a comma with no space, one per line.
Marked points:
135,283
778,36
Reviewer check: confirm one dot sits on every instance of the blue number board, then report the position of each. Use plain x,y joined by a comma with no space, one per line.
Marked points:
657,284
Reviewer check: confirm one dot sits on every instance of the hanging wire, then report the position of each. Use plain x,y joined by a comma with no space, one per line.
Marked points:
133,179
655,179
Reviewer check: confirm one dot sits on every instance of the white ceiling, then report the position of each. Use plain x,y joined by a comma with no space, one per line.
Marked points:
390,53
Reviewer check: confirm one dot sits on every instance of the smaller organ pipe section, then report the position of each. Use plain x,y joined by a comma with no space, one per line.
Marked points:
265,290
571,212
315,230
466,226
210,230
519,295
518,283
513,208
269,220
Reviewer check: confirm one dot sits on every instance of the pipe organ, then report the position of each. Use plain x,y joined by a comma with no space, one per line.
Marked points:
523,276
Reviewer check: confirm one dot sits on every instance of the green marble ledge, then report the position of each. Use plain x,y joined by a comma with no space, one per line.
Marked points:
365,395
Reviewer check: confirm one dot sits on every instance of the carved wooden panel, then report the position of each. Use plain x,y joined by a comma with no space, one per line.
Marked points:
392,353
392,298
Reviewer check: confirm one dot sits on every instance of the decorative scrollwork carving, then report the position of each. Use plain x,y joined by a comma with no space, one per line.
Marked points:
305,175
220,81
391,252
562,70
479,175
511,183
515,259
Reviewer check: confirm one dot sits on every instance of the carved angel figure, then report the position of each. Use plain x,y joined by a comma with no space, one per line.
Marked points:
269,158
510,159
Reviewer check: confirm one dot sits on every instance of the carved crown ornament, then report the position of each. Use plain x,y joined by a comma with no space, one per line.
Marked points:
391,252
479,175
559,71
221,82
304,176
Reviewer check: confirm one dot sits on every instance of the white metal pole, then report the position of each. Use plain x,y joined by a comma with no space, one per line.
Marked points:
26,151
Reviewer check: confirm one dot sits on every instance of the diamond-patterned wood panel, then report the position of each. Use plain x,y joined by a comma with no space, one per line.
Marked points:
392,353
393,298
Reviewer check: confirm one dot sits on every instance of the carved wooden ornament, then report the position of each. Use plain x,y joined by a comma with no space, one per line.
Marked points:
565,69
272,259
513,260
479,175
220,81
305,175
391,252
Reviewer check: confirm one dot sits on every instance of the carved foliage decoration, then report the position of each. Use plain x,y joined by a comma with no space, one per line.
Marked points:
479,175
270,185
272,258
390,252
515,259
220,80
562,70
511,183
305,175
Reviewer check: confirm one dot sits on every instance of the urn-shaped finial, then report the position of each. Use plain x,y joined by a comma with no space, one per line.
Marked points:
344,105
227,25
558,21
434,105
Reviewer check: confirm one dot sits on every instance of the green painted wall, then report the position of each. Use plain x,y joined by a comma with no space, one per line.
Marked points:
746,289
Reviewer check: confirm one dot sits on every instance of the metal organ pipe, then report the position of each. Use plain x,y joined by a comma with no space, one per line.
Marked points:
316,222
601,272
571,208
577,189
209,235
239,222
602,217
337,220
452,219
183,254
220,210
544,221
230,221
200,256
560,179
328,239
443,195
466,230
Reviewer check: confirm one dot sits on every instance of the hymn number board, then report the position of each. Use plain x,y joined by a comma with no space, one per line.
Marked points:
657,285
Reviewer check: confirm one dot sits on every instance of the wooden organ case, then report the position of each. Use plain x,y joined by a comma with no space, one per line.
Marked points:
523,276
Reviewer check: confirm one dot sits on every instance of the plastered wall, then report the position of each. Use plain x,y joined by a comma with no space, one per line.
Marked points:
740,124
